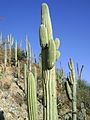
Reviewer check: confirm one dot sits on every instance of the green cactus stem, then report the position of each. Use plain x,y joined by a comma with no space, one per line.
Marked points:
48,57
25,78
32,97
27,50
9,46
71,89
18,70
16,53
0,38
5,54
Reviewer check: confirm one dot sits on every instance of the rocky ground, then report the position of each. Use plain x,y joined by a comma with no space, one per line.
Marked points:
13,104
12,98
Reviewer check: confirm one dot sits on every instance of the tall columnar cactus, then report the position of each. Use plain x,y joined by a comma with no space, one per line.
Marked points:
16,53
50,53
0,38
5,54
27,50
30,56
25,78
80,74
32,97
9,46
71,89
18,69
10,43
28,53
21,43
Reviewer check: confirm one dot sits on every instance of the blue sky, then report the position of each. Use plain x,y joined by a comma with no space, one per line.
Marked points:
70,21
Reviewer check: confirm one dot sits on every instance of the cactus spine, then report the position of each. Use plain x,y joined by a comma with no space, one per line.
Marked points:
71,88
49,53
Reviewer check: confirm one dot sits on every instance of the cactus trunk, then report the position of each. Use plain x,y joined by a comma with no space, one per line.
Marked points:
48,54
18,69
0,38
16,53
25,78
9,46
5,53
32,97
74,104
71,84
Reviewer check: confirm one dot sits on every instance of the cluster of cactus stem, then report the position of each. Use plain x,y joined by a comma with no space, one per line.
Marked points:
7,43
71,83
49,55
30,84
79,72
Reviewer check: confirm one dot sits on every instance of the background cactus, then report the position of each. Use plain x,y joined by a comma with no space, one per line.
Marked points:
0,38
10,43
16,53
71,89
18,69
5,54
49,56
25,78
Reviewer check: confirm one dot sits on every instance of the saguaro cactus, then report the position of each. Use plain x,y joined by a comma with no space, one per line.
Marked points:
25,78
18,69
10,43
71,89
5,54
49,54
16,53
32,97
0,38
27,50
